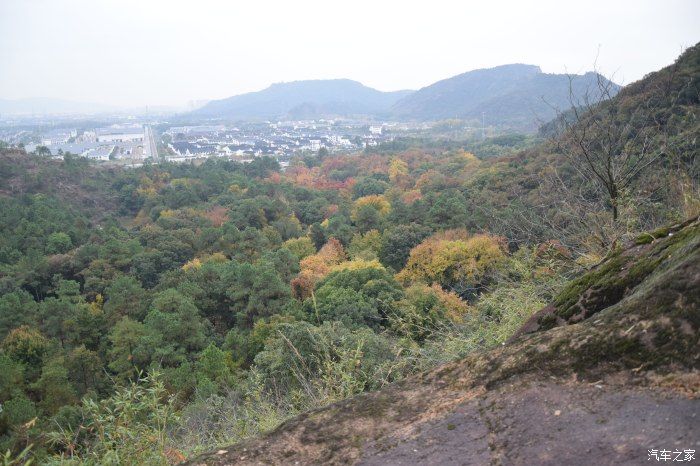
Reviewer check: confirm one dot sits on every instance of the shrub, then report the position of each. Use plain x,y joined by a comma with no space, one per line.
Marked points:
327,362
130,427
426,309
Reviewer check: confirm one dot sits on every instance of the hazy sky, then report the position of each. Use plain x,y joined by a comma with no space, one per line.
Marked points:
150,52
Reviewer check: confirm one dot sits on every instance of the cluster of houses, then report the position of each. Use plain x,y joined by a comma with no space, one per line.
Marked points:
133,143
111,142
277,139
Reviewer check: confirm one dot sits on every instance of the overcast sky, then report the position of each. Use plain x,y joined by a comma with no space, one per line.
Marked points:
155,52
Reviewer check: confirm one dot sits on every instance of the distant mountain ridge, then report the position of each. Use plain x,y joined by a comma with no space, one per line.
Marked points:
311,99
518,96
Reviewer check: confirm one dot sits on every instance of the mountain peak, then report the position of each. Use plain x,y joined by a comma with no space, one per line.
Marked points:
517,96
326,96
340,82
516,67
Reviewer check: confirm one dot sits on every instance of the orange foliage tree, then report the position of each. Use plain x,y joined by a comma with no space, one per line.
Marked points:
316,178
316,266
217,215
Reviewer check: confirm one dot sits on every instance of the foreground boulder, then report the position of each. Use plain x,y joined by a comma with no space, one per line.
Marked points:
601,376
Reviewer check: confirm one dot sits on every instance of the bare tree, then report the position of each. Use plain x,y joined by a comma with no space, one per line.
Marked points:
609,145
605,189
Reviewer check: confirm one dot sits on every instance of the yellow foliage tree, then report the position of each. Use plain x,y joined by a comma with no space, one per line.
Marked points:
466,157
398,171
96,305
376,201
357,264
236,189
217,258
194,264
197,262
454,260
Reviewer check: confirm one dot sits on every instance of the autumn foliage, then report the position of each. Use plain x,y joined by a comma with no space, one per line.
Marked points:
377,202
316,178
315,267
217,215
454,259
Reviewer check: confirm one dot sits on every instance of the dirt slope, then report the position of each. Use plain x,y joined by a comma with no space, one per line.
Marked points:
606,372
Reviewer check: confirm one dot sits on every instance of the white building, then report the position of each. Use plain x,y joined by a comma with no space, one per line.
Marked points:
121,133
120,137
99,153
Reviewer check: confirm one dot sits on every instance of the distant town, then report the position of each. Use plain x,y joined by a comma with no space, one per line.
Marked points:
131,143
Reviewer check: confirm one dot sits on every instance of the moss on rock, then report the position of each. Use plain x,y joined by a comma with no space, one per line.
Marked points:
619,274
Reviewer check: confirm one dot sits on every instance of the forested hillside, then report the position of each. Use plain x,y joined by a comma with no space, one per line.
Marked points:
148,314
516,96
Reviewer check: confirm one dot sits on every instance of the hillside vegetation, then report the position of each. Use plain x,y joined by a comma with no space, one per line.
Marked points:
600,384
150,314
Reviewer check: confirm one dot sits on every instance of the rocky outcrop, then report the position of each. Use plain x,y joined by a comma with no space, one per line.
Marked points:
619,275
605,373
